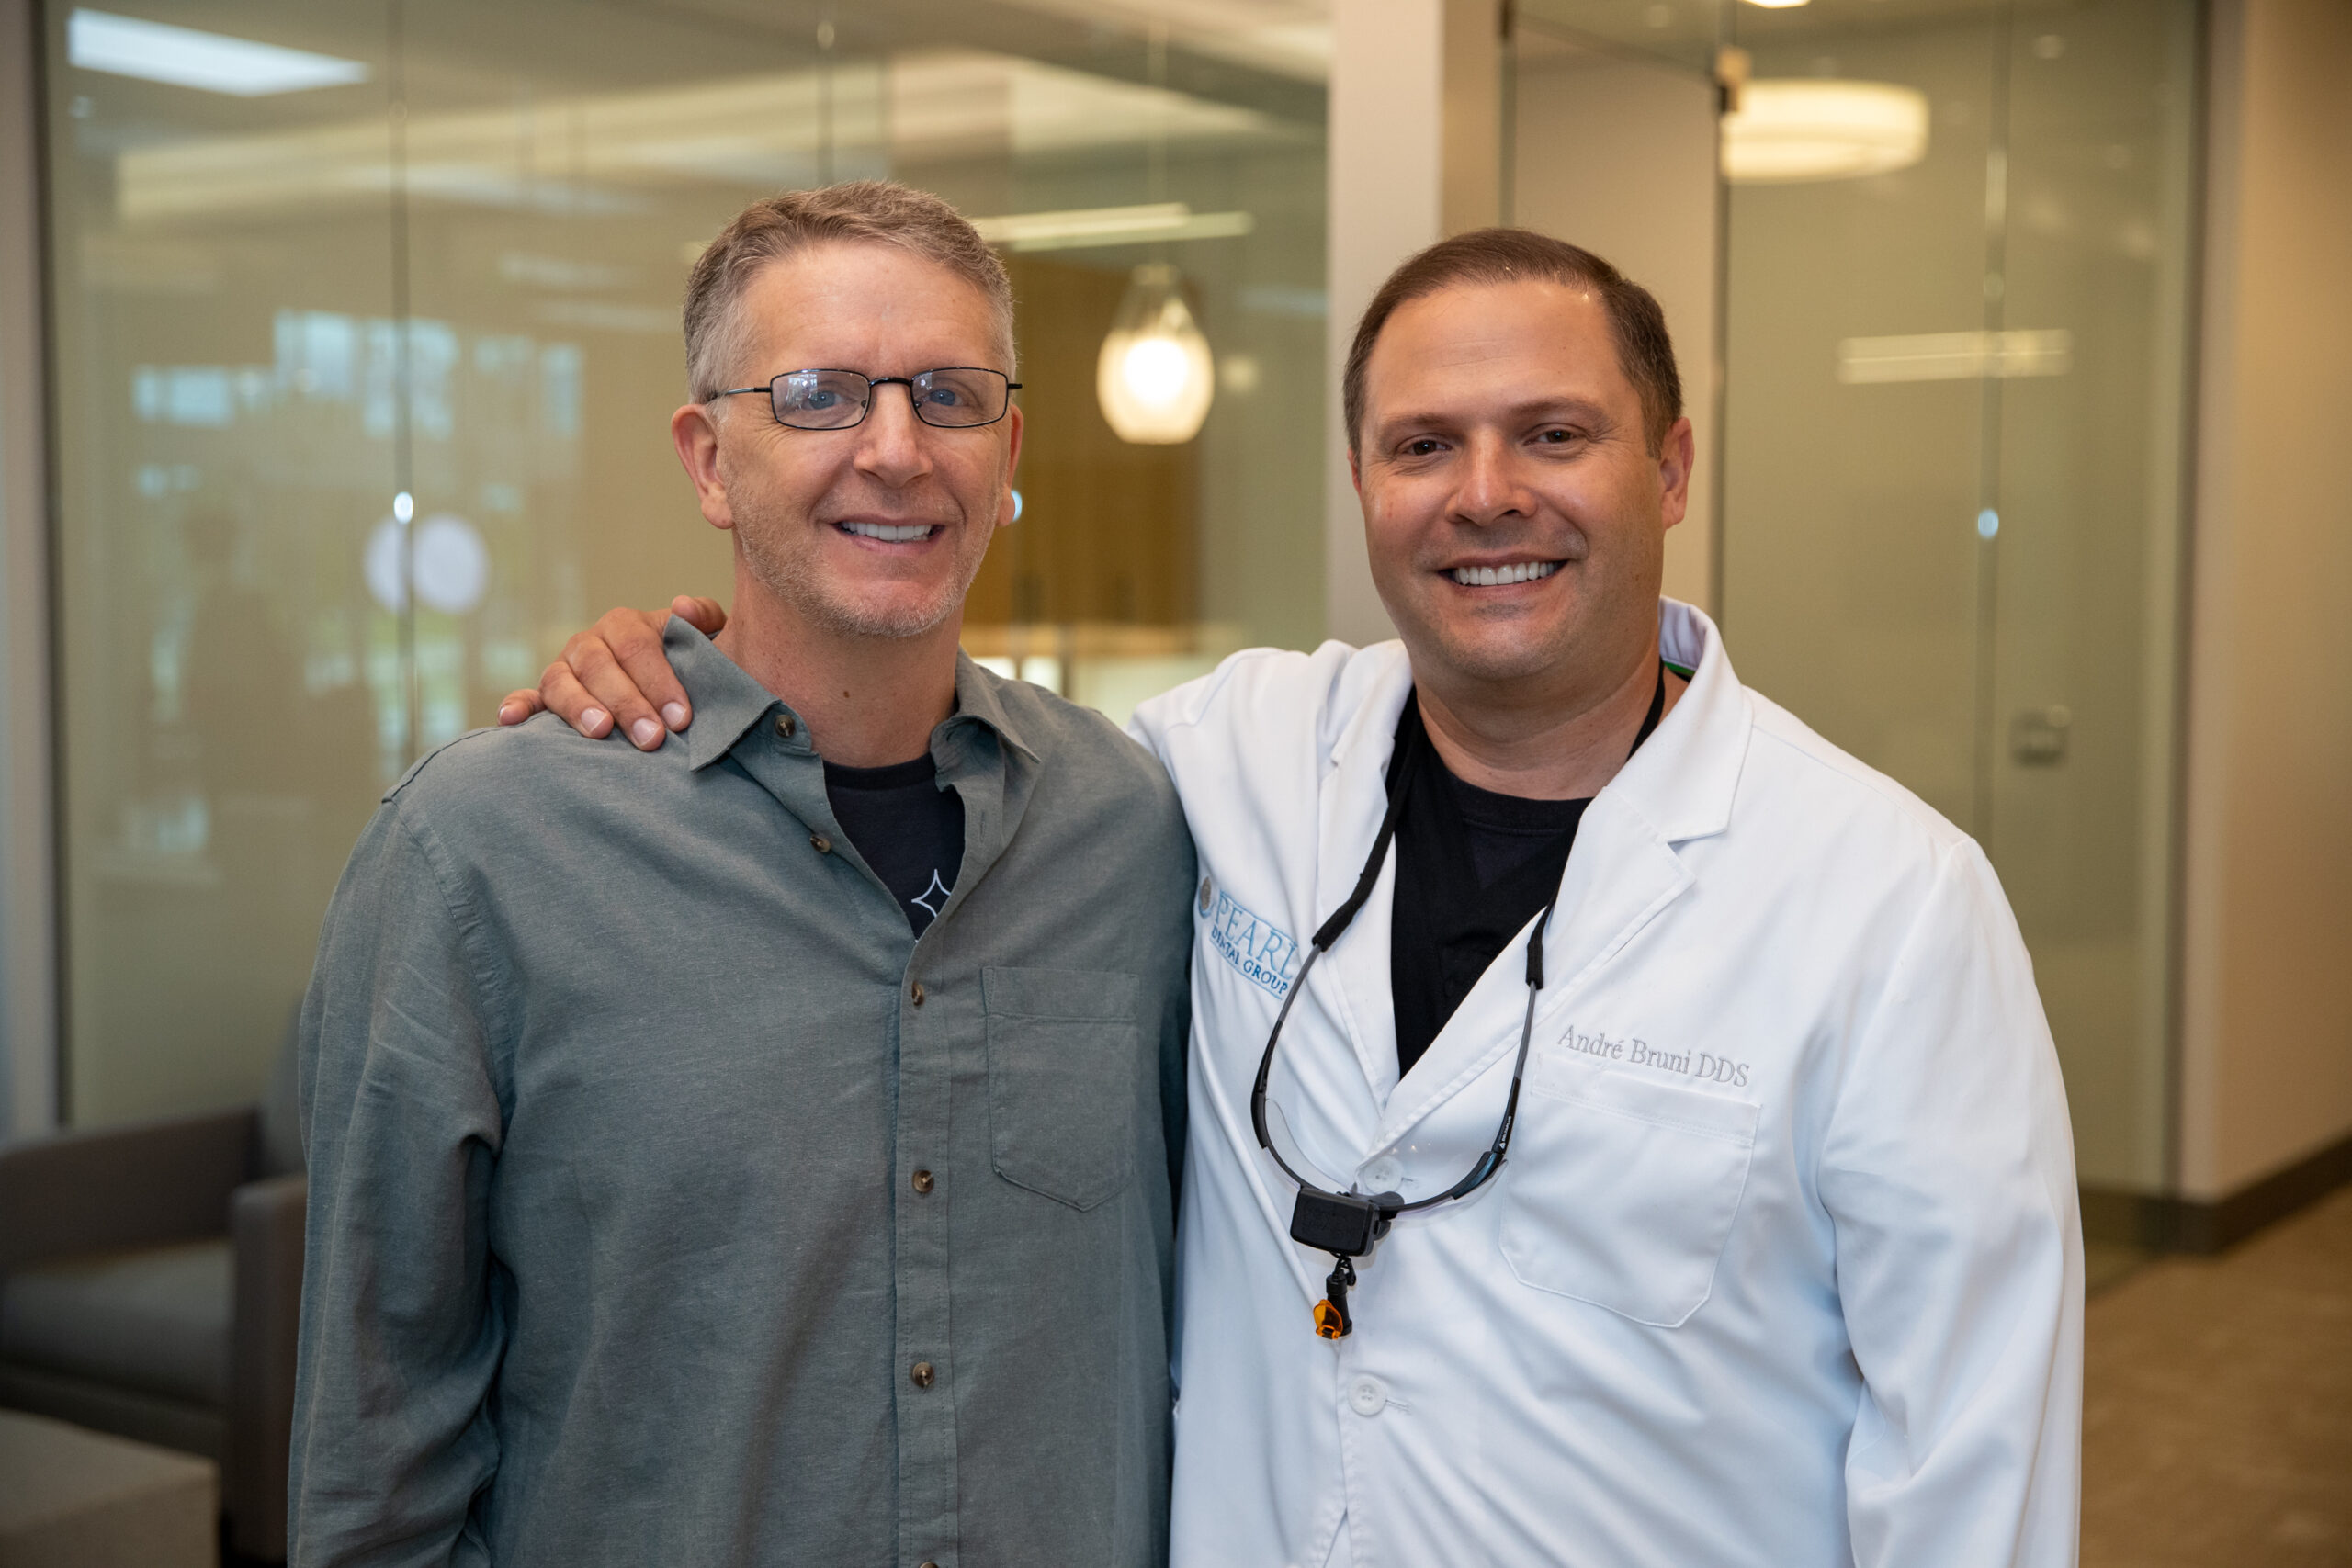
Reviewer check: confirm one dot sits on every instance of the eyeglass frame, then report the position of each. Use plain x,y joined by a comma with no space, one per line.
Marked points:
867,407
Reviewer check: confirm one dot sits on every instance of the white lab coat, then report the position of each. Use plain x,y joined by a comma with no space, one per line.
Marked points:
1785,1267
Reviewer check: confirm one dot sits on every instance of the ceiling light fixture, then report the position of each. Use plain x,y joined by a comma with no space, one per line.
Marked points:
1155,376
1800,128
211,62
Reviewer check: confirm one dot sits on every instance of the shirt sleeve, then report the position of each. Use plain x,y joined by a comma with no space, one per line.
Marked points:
402,1318
1948,1173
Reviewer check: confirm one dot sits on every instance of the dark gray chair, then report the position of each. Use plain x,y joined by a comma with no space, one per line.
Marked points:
150,1278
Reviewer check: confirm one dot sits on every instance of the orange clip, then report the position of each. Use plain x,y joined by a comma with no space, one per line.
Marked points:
1330,1322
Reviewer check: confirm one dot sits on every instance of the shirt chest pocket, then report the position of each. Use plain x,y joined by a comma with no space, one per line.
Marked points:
1620,1192
1067,1080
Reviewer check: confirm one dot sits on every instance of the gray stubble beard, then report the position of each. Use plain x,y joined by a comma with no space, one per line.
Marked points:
787,575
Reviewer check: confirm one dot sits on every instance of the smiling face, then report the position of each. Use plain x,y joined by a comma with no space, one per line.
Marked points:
878,530
1515,514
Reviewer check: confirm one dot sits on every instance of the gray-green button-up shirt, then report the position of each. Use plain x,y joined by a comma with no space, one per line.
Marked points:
671,1204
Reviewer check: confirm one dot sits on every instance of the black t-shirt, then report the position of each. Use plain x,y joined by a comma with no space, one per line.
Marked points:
1473,868
910,831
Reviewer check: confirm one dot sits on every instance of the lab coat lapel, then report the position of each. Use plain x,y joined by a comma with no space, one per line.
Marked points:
1351,982
1619,877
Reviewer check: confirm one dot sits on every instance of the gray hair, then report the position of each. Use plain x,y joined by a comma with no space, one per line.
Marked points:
859,212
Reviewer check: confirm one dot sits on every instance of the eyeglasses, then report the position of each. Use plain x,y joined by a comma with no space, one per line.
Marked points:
958,397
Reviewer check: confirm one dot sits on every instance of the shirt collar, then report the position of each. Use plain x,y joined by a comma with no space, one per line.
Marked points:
980,699
728,703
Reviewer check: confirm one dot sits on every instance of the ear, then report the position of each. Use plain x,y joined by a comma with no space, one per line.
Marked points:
1007,510
693,431
1677,453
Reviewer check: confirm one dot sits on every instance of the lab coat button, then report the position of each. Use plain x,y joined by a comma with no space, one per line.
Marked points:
1368,1396
1383,1175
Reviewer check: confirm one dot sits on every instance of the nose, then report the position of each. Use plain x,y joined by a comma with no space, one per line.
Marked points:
892,449
1490,490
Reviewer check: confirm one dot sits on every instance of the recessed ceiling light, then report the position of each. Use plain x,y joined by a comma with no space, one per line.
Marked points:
212,62
1776,5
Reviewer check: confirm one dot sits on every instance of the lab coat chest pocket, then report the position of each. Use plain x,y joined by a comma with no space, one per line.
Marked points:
1065,1080
1621,1191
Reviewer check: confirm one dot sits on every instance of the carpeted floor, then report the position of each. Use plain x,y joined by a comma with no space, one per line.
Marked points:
2217,1410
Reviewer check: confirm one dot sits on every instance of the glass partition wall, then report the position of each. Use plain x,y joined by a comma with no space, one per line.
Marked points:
366,341
1956,258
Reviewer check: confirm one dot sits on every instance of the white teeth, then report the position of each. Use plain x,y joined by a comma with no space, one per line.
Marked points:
889,535
1492,576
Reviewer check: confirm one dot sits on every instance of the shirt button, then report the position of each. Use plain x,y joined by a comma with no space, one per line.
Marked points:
1367,1396
1383,1175
822,845
783,724
923,1374
915,991
922,1181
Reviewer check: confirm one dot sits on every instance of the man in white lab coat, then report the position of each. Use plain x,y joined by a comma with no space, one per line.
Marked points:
1781,1263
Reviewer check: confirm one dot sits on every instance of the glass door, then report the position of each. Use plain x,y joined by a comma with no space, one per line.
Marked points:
1954,247
1954,349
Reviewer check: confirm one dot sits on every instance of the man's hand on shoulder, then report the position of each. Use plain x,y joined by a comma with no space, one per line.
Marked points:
617,671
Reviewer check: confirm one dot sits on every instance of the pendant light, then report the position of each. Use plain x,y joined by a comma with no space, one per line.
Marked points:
1155,376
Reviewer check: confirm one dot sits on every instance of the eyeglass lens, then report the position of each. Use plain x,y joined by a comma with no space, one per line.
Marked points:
955,397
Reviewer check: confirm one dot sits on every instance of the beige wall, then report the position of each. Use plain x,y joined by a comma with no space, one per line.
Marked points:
1619,157
1416,151
1387,180
2267,979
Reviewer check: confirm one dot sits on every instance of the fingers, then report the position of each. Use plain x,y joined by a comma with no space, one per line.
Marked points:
703,614
516,706
607,688
562,694
634,639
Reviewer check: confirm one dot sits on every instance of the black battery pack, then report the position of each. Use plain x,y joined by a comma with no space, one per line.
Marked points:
1339,1224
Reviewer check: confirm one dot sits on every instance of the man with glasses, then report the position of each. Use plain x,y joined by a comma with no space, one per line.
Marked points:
761,1152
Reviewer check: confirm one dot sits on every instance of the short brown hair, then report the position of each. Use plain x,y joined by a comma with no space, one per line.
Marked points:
1504,255
859,212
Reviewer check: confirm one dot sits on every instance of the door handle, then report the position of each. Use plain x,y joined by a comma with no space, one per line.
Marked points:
2038,736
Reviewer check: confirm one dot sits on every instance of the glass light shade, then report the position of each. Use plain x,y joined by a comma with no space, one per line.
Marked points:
1788,131
1155,376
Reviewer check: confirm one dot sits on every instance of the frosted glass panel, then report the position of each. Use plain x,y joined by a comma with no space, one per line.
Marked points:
1953,514
443,261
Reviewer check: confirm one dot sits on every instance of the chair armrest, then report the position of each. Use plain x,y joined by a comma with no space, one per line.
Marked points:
143,1185
265,1226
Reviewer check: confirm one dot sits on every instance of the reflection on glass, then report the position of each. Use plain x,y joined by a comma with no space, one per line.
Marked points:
450,270
1953,420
